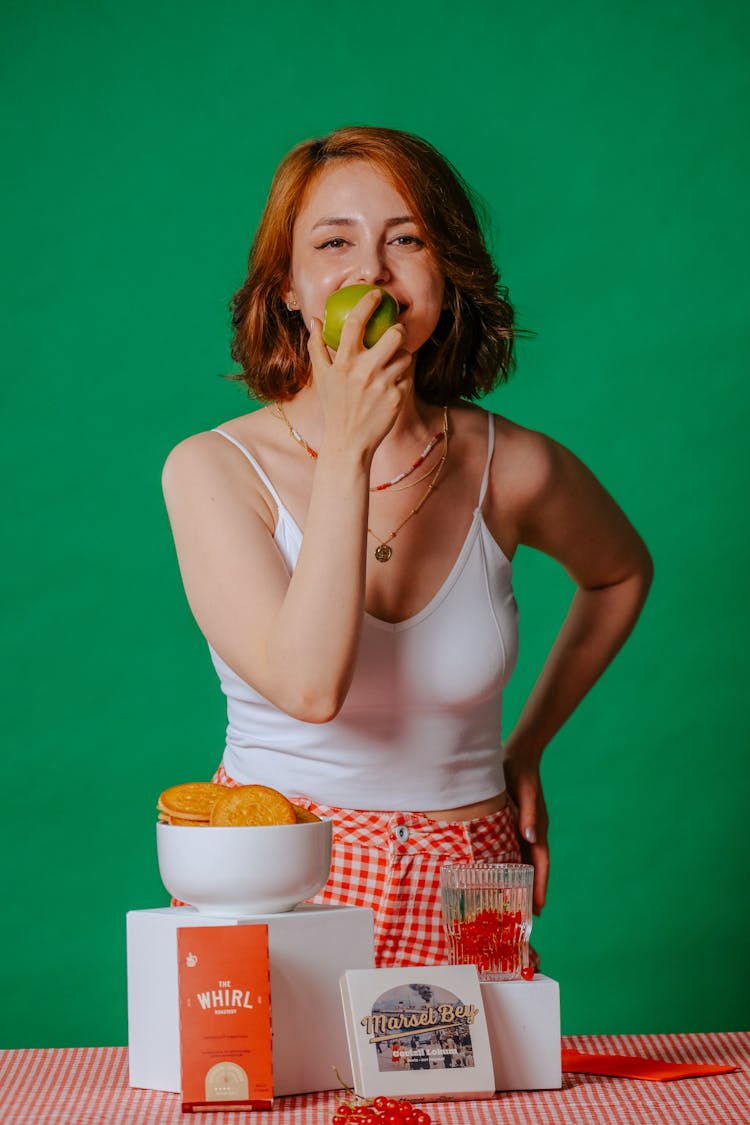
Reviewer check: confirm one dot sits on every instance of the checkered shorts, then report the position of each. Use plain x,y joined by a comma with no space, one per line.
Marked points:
390,861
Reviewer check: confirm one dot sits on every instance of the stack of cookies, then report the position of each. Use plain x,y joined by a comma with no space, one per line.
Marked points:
197,804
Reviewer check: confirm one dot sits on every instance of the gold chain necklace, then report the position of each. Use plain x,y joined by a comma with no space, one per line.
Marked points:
384,551
313,453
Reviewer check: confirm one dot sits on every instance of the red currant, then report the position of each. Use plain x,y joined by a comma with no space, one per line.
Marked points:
344,1109
380,1102
528,972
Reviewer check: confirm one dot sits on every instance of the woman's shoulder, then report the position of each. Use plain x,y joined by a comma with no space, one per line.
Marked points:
525,471
206,460
525,456
522,459
211,446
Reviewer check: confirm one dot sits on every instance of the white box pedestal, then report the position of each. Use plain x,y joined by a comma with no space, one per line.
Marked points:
523,1019
309,949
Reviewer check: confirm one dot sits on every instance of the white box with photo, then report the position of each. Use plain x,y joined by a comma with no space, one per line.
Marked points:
417,1033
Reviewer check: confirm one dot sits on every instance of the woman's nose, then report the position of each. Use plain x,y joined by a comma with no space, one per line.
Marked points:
372,268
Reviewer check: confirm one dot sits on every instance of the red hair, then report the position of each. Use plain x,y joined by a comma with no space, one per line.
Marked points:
471,350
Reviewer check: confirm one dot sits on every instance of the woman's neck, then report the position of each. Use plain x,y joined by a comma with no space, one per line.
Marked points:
416,421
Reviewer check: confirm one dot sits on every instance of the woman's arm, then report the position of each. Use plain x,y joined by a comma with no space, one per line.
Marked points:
293,638
569,516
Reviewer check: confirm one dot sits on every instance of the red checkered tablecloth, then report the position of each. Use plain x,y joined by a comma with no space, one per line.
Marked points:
89,1086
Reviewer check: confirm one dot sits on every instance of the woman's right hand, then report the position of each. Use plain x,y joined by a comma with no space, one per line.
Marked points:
294,638
360,390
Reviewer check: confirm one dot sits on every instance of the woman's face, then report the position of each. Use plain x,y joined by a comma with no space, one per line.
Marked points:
354,227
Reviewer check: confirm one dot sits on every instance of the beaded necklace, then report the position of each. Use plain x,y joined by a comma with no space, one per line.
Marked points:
383,552
313,453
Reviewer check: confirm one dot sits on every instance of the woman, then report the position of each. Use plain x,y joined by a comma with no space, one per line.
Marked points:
347,549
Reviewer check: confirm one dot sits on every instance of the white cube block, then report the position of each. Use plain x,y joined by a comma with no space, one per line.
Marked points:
309,948
523,1018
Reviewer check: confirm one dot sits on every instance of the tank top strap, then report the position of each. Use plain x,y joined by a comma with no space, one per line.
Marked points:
490,449
263,476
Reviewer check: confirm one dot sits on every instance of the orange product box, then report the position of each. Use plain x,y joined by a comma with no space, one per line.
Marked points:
225,1018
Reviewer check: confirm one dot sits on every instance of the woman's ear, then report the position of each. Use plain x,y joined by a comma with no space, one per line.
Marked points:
289,297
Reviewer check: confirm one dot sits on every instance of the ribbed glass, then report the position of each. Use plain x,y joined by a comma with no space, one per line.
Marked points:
487,916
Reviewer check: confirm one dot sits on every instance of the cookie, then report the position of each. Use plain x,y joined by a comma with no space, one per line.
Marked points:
304,816
191,802
252,805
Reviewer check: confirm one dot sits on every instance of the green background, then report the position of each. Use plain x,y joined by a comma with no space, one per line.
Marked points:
609,144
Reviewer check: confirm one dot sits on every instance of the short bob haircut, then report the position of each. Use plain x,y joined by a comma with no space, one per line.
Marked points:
471,350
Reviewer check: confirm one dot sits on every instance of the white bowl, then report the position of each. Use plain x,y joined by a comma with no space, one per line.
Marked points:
234,872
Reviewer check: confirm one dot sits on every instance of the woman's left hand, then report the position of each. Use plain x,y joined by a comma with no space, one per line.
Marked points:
524,784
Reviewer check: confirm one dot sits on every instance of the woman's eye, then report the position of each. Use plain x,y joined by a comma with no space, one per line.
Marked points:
334,243
408,240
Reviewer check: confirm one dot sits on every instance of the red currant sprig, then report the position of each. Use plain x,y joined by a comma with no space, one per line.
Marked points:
382,1111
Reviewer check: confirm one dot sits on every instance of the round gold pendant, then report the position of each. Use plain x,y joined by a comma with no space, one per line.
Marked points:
383,552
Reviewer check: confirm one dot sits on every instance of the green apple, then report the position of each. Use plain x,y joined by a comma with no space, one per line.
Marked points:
341,303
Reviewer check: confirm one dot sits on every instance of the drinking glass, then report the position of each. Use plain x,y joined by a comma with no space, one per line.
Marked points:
487,916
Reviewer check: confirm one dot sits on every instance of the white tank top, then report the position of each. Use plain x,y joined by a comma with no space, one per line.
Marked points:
421,725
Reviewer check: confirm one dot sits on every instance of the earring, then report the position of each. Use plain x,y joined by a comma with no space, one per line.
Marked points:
291,304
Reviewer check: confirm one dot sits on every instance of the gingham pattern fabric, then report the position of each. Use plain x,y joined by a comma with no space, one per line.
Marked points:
89,1086
390,861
